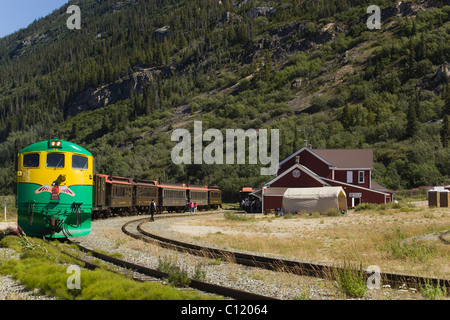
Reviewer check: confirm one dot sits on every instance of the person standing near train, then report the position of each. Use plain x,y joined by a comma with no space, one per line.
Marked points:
152,210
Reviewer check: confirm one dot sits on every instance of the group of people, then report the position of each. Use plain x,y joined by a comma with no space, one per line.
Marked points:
251,205
190,206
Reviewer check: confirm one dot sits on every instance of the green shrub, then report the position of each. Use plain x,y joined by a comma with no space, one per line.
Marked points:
238,217
431,292
416,251
199,272
333,213
37,270
351,281
177,276
365,206
398,248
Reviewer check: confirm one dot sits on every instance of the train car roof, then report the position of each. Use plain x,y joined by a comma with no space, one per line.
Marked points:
115,179
165,186
141,182
182,187
66,146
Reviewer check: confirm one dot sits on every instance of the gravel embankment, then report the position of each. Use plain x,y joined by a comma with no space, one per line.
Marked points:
106,235
11,289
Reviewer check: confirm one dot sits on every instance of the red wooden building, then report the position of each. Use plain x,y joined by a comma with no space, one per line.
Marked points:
308,168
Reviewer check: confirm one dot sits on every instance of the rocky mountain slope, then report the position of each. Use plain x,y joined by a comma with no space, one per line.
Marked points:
138,69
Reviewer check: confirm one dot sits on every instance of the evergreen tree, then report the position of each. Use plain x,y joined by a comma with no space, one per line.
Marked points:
412,125
445,132
346,117
267,67
418,109
74,131
105,124
371,117
446,99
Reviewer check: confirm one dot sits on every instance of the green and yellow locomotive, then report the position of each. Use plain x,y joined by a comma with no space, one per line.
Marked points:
55,189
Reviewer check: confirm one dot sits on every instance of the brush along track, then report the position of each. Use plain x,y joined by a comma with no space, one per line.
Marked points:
134,229
145,272
195,284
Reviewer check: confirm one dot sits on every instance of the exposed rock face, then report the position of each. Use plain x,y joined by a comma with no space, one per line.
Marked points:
398,9
162,31
260,12
95,98
291,38
408,8
443,68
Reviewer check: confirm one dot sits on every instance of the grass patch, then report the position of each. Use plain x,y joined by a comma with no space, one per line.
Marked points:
431,292
239,217
351,281
417,251
365,206
178,276
49,274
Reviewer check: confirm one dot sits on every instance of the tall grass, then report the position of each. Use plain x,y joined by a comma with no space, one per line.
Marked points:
417,251
239,217
431,292
178,276
49,274
351,281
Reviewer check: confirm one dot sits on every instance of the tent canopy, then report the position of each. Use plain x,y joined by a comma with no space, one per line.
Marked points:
312,200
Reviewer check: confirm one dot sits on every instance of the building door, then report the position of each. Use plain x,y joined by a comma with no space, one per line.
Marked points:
356,201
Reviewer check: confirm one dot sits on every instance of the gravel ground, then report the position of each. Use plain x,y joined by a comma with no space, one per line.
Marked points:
106,235
11,289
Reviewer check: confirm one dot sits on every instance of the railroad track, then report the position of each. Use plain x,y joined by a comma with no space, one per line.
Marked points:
145,272
135,230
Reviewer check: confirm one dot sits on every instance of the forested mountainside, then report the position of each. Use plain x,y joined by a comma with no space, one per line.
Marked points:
138,69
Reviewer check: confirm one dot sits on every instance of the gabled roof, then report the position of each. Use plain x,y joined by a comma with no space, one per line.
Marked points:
340,158
301,168
299,151
355,186
347,158
376,186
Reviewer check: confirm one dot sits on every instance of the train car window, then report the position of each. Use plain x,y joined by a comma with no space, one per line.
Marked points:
174,194
79,162
55,160
31,160
147,192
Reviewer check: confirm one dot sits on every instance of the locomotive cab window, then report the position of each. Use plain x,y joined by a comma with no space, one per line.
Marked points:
55,160
31,160
79,162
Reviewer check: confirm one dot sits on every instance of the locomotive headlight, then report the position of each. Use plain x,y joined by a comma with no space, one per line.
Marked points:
54,143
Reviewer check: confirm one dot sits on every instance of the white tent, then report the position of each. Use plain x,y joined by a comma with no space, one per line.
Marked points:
312,200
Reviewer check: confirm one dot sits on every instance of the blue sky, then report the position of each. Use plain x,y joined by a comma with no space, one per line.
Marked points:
18,14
